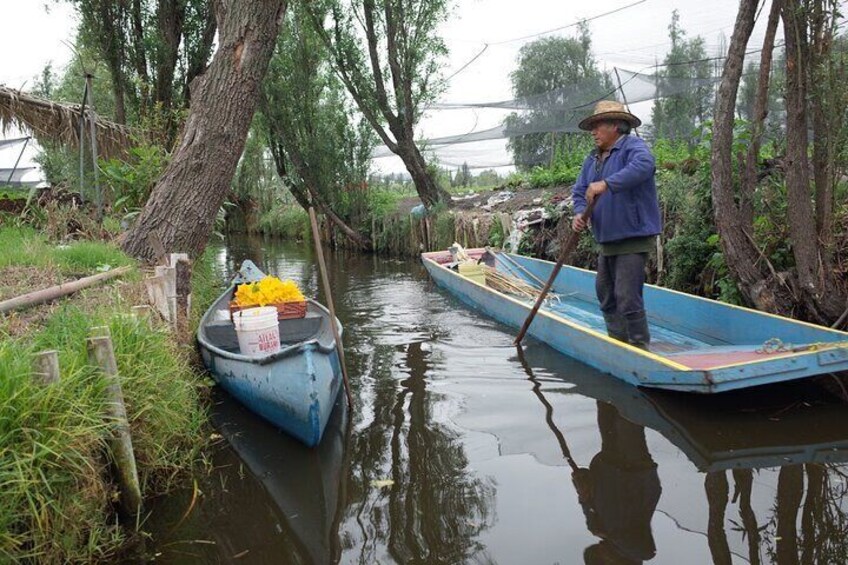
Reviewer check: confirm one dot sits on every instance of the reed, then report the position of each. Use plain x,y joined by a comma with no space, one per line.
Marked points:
55,487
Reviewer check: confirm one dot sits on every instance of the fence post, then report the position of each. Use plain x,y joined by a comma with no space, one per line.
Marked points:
45,367
101,354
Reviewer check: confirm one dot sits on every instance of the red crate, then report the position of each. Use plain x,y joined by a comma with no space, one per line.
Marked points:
285,310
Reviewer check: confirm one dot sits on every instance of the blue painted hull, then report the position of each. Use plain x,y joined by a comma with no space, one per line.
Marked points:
295,388
296,393
699,345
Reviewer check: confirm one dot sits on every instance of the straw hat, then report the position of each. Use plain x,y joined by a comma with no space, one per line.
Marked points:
609,110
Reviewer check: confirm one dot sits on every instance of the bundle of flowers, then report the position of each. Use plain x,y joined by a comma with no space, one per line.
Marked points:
271,291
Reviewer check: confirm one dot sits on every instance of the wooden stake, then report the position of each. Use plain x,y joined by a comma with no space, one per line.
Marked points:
143,312
45,367
101,354
182,268
329,295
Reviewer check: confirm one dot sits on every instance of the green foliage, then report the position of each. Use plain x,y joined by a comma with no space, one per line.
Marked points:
676,116
23,246
310,125
515,179
382,202
288,222
256,180
554,74
497,237
53,476
131,181
389,54
725,289
444,230
670,152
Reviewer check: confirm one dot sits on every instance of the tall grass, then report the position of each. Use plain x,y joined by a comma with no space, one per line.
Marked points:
56,495
25,247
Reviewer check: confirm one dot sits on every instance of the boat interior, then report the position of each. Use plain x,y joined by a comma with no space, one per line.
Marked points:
219,330
686,346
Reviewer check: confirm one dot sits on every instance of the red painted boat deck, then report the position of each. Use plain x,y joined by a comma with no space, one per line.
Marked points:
713,359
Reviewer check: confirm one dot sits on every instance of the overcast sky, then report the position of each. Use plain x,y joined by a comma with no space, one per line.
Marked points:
39,31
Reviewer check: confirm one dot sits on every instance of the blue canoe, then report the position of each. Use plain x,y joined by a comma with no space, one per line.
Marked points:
698,345
295,388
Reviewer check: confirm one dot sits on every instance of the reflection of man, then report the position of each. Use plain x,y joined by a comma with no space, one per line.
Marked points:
619,492
625,221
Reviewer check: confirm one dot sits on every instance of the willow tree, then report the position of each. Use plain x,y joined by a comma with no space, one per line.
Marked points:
813,289
180,214
153,49
554,76
320,147
387,53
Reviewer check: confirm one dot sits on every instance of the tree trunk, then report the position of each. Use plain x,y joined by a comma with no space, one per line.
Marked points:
375,104
307,196
170,17
735,231
428,189
138,55
182,207
759,114
820,292
823,138
197,60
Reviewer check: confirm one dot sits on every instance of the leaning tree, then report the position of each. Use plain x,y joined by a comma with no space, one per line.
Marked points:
387,53
180,214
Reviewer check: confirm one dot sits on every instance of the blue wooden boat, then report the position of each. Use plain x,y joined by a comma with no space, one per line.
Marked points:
295,388
698,345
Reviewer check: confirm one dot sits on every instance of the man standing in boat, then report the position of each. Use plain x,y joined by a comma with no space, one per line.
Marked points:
619,172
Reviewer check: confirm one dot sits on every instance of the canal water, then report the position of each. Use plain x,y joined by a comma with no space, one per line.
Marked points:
463,449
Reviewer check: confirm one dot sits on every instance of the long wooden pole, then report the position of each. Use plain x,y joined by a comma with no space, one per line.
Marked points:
39,296
319,251
567,248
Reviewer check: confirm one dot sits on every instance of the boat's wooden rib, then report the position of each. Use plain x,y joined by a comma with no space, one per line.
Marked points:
699,345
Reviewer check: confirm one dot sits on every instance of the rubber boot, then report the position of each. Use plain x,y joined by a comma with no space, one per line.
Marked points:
637,330
616,327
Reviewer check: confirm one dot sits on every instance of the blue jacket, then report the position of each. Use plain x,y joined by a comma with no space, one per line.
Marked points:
629,207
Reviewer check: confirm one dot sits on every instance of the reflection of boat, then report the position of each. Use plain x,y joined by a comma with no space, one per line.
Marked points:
303,482
699,345
794,424
294,388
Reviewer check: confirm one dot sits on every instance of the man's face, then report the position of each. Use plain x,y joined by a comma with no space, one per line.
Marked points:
604,133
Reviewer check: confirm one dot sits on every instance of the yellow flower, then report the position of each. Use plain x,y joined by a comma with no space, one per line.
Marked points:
269,290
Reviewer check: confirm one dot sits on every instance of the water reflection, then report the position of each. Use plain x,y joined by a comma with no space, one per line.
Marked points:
619,492
464,450
432,506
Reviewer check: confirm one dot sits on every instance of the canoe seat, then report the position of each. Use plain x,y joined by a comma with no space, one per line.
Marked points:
223,333
300,329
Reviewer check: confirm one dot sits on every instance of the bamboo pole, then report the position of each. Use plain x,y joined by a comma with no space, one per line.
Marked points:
565,253
329,295
45,367
94,165
58,291
101,354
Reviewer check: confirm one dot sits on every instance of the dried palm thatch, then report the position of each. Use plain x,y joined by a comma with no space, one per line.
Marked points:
59,123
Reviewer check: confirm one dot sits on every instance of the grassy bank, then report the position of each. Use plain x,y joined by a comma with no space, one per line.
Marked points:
57,495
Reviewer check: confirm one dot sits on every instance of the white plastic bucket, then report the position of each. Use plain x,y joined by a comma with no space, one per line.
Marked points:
257,331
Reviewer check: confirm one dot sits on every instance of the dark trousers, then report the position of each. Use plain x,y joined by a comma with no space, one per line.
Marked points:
619,287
